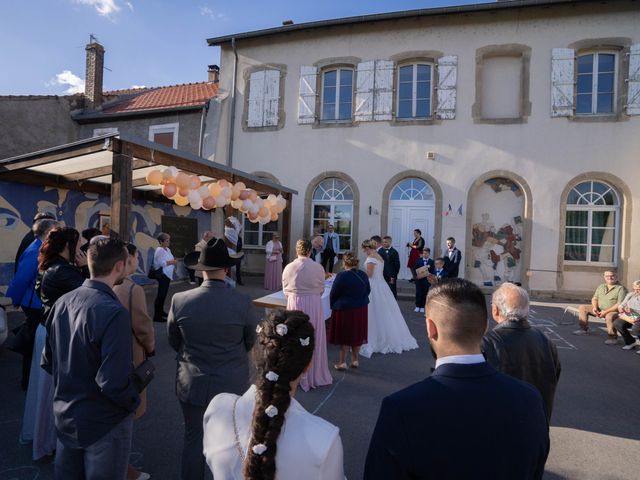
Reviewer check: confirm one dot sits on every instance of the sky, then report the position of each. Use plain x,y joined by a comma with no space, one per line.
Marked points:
147,42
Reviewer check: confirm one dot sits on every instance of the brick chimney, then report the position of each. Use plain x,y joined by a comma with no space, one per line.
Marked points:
93,76
214,73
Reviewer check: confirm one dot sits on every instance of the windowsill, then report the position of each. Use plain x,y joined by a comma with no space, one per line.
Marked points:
398,122
501,121
586,267
597,117
334,123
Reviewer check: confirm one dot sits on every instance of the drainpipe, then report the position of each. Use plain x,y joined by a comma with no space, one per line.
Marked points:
203,124
232,118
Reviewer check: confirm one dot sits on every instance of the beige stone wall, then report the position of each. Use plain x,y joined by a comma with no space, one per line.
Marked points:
547,153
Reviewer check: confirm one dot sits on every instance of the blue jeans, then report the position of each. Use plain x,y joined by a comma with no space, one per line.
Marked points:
106,459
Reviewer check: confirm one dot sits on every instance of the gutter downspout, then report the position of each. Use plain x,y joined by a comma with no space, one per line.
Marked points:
205,110
232,119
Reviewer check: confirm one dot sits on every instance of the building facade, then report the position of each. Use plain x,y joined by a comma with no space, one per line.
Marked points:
512,127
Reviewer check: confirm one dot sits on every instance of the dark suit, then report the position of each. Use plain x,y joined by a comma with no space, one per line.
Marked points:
422,284
464,421
452,265
212,328
391,268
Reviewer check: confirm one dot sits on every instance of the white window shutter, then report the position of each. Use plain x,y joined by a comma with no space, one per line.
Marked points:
383,90
256,99
562,82
633,82
271,98
307,94
446,93
364,91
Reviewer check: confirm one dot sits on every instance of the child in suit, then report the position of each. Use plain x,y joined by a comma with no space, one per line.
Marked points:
422,284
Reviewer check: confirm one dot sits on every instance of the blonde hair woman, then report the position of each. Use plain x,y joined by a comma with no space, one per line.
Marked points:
303,285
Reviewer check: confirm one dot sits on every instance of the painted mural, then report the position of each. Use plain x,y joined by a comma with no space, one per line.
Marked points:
19,203
497,233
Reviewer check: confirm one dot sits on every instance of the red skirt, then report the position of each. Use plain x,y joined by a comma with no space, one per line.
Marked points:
414,255
349,326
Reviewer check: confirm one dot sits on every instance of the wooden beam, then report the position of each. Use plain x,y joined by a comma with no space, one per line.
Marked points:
35,160
121,195
102,171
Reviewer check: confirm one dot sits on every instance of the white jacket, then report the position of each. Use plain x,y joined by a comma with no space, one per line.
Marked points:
308,447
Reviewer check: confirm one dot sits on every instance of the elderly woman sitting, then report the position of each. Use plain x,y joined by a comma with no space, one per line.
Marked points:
628,318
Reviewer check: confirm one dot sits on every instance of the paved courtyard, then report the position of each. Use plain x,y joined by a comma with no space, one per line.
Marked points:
595,429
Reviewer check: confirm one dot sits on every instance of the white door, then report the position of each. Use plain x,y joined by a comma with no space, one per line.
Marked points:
412,205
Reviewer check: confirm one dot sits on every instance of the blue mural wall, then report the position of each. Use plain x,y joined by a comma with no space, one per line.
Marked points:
19,203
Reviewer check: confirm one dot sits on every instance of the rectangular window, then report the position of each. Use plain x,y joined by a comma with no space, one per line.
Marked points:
590,236
337,214
337,95
166,134
414,91
595,86
257,235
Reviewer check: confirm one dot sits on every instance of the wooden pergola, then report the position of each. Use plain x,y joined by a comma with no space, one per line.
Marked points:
116,165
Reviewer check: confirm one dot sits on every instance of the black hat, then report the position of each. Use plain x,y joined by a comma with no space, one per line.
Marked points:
214,256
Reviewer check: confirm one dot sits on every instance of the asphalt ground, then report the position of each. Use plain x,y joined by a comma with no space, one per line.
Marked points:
595,428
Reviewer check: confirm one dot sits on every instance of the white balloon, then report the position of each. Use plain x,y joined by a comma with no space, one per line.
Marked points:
196,204
193,195
204,192
221,201
174,171
236,204
247,204
271,198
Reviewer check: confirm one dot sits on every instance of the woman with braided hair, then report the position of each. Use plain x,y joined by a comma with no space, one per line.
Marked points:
244,436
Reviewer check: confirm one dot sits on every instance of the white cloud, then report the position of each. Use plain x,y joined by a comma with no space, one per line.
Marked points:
130,5
138,86
75,83
208,12
106,8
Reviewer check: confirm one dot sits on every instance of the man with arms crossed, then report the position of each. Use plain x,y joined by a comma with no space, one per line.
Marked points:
466,420
88,353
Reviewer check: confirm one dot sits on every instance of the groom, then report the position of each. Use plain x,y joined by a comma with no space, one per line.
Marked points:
391,265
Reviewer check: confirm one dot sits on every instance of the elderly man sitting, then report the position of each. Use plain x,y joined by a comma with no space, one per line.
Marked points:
604,304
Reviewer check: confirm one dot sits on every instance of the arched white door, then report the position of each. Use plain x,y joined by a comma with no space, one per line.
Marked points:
411,205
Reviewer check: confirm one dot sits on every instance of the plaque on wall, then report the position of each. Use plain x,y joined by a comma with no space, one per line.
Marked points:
183,232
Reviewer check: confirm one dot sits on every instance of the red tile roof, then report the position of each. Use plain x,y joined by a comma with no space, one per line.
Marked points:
176,96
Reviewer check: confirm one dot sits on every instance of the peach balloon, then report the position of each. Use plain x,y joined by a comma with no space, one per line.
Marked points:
181,201
263,212
169,190
223,183
240,186
274,217
208,203
236,204
226,192
244,194
253,196
203,191
214,189
194,182
154,177
182,180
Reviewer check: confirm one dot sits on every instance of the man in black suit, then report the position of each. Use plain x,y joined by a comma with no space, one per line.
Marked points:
452,258
391,265
466,420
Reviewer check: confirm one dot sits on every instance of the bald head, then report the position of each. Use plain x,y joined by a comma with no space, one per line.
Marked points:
458,309
509,302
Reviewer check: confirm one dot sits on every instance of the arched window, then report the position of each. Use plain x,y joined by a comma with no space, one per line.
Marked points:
412,189
333,204
592,223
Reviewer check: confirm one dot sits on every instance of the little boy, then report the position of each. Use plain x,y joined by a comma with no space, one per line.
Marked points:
422,284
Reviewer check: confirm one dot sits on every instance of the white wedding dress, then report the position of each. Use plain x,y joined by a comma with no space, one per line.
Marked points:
387,330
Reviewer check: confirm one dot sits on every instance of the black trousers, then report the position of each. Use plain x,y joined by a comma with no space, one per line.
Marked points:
327,257
163,290
193,461
393,287
623,327
33,317
422,288
238,271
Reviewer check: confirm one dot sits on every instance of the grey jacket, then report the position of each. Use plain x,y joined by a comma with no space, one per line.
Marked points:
212,328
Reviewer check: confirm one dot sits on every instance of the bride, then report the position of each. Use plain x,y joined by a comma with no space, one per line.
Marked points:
388,332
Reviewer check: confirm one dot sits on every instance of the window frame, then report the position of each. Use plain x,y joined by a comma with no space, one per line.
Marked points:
616,209
594,82
260,230
165,128
332,204
337,69
414,88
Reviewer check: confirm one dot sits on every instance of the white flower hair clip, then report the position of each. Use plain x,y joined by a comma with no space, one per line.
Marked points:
259,329
271,411
272,376
259,449
305,341
281,329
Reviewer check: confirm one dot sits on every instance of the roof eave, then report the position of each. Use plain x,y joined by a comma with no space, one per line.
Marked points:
96,117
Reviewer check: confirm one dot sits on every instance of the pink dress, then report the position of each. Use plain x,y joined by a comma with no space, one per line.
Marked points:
273,266
303,285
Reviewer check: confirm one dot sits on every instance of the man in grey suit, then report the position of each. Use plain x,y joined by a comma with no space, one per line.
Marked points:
212,328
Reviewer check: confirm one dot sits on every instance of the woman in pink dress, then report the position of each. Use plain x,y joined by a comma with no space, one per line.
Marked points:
303,285
273,264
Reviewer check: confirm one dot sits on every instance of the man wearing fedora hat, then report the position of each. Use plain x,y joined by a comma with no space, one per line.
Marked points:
212,328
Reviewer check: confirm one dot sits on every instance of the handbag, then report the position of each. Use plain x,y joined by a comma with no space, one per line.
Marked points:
155,273
272,258
143,373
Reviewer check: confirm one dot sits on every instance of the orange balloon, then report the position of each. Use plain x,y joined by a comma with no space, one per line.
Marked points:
169,190
208,203
223,183
183,192
181,201
154,177
274,217
263,212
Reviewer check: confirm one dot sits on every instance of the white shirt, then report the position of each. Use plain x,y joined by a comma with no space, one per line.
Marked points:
308,447
461,359
160,258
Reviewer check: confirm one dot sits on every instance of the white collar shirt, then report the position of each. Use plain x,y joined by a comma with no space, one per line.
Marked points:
461,359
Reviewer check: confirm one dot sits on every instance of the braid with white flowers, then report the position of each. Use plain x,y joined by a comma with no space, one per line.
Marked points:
281,354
